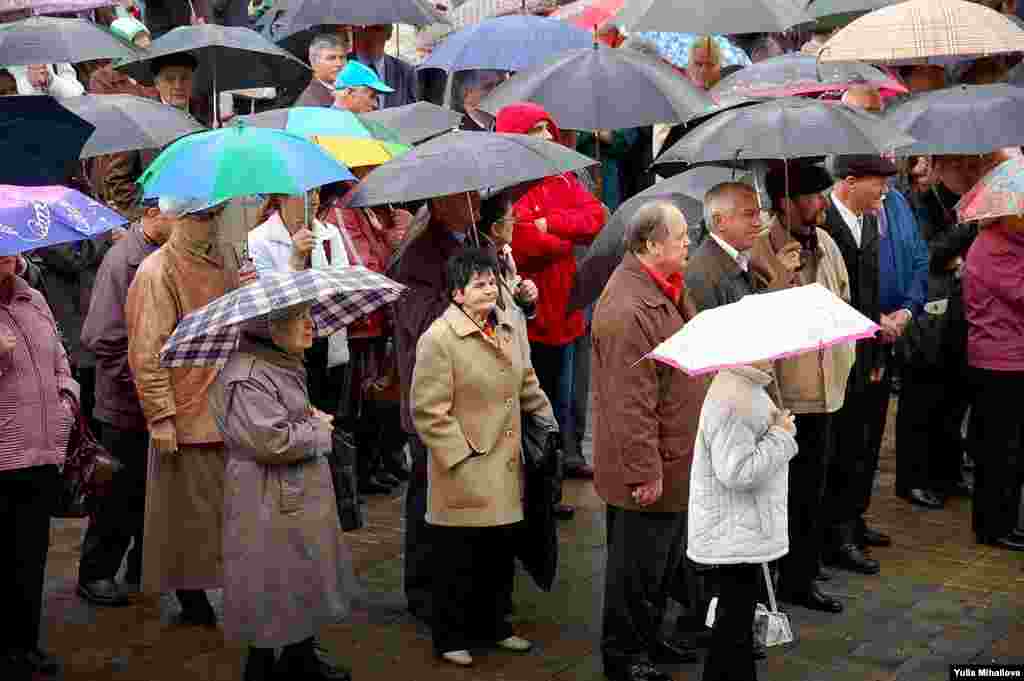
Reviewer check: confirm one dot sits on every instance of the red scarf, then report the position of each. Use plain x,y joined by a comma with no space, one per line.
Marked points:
671,286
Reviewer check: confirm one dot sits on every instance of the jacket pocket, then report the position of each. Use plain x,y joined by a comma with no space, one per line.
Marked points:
292,485
467,483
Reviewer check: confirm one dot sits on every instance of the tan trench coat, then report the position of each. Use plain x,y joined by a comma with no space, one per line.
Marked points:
184,491
286,569
468,392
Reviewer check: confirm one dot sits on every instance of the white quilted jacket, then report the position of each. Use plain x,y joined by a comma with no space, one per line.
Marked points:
739,476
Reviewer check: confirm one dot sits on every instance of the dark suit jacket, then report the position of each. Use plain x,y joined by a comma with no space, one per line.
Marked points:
862,266
713,278
399,75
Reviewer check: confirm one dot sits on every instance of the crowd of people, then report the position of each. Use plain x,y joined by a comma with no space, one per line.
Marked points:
225,483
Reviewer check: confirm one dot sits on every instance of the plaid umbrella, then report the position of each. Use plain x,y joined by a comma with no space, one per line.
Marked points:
208,336
998,194
925,31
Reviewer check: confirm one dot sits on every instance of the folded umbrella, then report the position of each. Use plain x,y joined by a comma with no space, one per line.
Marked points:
599,88
965,119
510,43
464,161
217,165
799,74
787,323
127,122
417,122
999,194
703,17
36,217
50,40
675,48
40,140
208,336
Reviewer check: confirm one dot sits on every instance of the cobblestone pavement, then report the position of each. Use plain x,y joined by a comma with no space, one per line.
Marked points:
939,600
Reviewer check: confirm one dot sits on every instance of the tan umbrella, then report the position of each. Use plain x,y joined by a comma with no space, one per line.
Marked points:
925,31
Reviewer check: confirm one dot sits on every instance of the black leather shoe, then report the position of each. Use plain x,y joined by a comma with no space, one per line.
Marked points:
849,557
373,486
103,592
387,479
308,665
812,599
673,652
259,665
1010,542
874,537
823,574
964,488
564,511
42,663
197,617
924,498
642,671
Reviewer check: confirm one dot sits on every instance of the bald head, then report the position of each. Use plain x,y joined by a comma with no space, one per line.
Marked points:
864,97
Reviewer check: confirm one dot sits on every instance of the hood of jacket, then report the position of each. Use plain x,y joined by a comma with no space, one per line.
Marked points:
519,118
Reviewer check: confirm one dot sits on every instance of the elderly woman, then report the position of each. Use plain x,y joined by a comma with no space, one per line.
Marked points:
34,374
472,381
286,570
737,518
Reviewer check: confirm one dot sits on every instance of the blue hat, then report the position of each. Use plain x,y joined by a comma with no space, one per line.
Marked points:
357,75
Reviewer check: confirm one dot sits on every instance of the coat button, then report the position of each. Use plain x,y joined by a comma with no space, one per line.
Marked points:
508,433
509,402
512,464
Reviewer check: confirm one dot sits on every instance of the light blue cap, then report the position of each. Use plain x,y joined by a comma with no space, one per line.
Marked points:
358,75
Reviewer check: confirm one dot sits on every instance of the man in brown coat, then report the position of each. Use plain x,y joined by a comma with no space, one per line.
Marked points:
645,423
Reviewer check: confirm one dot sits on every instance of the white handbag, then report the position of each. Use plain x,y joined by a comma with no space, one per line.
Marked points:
771,627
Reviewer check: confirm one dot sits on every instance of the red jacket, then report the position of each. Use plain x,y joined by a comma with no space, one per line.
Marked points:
994,300
574,217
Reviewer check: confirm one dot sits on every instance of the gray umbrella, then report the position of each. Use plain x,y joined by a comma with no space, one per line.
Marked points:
786,128
232,57
416,122
1016,75
598,88
127,122
302,14
965,119
50,40
826,15
465,161
702,16
605,254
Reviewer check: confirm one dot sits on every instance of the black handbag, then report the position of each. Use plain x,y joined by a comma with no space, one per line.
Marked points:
88,469
537,549
936,340
342,460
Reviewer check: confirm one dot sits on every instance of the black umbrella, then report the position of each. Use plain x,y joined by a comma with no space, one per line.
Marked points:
416,122
786,128
40,140
49,40
1016,75
600,88
127,122
302,14
605,254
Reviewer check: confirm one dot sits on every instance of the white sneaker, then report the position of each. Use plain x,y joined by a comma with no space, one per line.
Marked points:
516,644
459,657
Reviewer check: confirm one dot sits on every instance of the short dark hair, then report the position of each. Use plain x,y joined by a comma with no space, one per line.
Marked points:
492,210
463,266
176,59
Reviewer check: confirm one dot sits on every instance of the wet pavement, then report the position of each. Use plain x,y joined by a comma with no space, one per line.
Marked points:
940,600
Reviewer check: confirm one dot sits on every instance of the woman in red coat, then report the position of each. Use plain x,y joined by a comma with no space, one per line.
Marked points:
552,216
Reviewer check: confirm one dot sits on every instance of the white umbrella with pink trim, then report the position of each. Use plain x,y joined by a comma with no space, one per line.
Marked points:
761,327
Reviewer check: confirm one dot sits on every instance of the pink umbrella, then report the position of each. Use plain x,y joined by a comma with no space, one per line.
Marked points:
797,74
53,6
589,14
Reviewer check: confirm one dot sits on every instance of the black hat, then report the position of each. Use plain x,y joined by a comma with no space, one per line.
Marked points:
158,64
860,165
803,179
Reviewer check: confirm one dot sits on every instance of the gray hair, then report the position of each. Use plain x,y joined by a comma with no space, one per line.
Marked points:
325,41
643,46
649,223
720,200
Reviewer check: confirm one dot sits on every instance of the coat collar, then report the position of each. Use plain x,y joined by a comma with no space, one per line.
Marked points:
755,376
264,349
463,326
647,289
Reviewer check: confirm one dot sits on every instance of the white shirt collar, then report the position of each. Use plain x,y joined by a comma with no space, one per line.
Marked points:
742,259
853,221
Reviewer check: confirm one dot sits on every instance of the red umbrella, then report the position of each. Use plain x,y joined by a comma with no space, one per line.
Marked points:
589,14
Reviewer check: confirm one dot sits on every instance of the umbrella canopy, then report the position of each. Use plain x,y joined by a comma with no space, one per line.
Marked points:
35,217
697,182
799,74
127,122
919,31
703,17
417,122
465,161
608,249
827,15
208,336
49,40
40,140
599,88
788,322
304,14
53,6
791,127
675,48
510,43
998,194
1016,75
235,58
588,14
965,119
475,11
238,161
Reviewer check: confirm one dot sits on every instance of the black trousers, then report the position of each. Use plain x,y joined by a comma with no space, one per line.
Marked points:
418,569
928,443
326,386
644,552
808,473
473,575
996,442
731,653
120,517
26,499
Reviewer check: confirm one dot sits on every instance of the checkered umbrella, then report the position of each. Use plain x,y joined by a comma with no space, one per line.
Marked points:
208,336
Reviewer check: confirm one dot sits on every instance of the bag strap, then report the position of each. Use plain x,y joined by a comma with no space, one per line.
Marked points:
76,411
771,590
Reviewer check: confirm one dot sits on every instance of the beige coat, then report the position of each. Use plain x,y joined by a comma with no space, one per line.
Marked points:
814,382
468,392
